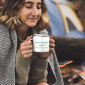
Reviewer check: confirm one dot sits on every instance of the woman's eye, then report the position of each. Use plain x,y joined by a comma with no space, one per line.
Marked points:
28,5
39,6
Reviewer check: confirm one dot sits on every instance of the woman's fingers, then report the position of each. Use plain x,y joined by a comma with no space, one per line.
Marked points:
52,41
26,47
26,43
27,55
30,37
51,49
52,45
27,52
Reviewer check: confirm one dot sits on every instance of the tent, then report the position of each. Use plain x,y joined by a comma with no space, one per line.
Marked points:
67,31
63,20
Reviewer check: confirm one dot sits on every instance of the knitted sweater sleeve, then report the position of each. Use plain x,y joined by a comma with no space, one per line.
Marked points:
7,70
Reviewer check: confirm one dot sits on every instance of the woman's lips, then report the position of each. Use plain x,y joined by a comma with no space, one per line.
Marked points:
32,19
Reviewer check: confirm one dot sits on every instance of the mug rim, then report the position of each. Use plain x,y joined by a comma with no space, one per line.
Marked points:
41,35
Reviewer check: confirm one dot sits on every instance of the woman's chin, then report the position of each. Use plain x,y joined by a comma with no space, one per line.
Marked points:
32,25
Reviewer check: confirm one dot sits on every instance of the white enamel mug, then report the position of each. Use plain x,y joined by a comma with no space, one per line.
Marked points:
40,42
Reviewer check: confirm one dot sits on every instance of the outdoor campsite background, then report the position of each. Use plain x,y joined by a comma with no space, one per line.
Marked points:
71,51
79,8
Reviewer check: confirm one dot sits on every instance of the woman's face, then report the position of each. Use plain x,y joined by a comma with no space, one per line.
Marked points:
31,12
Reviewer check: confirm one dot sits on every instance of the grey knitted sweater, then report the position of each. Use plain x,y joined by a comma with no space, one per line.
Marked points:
8,49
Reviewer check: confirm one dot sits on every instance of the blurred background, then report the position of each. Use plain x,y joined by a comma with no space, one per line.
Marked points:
67,26
79,8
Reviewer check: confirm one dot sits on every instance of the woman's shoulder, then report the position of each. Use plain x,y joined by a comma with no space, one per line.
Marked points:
4,32
3,29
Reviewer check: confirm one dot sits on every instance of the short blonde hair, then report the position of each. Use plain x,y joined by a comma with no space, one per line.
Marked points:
10,13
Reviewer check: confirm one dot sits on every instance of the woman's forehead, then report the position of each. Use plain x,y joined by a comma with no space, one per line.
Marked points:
33,0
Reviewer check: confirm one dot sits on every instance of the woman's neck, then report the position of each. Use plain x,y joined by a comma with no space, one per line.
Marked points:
22,31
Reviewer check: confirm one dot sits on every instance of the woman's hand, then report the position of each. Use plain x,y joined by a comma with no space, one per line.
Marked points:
40,83
47,54
26,48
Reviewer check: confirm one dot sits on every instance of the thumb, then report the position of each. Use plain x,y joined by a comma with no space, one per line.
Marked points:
30,37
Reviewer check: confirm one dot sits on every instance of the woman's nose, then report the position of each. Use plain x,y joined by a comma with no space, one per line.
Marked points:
35,11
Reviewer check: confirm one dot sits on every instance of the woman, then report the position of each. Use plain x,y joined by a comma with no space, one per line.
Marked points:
19,20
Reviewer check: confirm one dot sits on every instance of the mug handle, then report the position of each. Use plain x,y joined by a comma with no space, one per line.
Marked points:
30,39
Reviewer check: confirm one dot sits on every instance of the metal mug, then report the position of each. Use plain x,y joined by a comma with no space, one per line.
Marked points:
40,42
